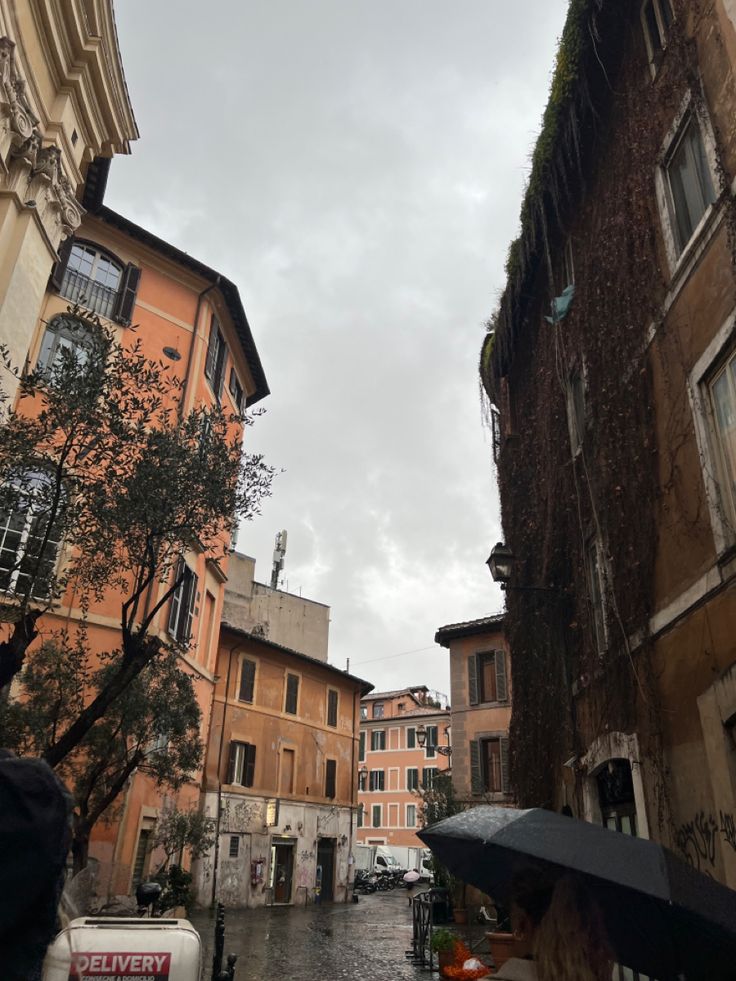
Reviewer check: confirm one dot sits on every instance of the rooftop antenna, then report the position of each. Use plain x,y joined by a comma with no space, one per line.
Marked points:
278,559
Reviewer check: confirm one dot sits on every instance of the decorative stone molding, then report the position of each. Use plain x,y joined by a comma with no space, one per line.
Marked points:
32,171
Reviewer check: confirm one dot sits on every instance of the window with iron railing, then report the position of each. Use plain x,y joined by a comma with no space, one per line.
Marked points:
89,276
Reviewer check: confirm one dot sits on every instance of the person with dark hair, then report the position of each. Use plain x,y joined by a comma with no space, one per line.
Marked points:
35,834
558,929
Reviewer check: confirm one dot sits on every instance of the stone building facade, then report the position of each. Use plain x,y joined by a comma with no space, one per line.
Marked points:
392,765
63,104
480,713
610,367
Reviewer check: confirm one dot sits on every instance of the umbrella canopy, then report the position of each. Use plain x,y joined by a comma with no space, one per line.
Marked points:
412,876
663,918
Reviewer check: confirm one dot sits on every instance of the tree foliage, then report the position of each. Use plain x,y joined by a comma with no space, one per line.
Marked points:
101,455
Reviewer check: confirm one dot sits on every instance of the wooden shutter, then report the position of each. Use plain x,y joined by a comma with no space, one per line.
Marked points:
292,693
330,778
501,689
233,762
247,680
473,679
57,273
212,346
127,293
361,747
476,771
504,749
176,602
249,766
189,599
331,707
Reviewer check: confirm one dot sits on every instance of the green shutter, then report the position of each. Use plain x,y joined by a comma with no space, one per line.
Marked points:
476,772
249,765
501,689
504,741
473,679
247,680
361,747
232,762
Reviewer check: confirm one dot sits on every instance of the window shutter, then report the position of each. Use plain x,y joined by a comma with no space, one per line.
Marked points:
189,598
361,749
330,775
247,680
500,660
249,767
123,312
476,773
232,763
425,777
175,601
504,741
473,679
57,273
209,365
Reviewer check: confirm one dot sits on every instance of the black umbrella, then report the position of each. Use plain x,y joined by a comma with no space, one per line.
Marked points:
663,918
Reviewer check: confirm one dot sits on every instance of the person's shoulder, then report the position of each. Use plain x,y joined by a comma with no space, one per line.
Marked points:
516,969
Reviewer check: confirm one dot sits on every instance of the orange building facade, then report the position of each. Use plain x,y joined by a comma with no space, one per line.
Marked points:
179,308
480,693
280,776
393,767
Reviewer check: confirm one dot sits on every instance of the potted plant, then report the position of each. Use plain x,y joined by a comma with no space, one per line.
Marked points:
501,940
443,944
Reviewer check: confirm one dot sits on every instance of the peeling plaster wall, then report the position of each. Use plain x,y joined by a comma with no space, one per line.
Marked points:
245,817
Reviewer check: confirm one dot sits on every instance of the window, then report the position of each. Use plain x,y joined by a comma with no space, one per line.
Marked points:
332,707
401,707
65,341
363,712
378,740
376,781
576,410
234,846
689,183
242,766
487,677
182,604
412,778
360,814
287,771
429,773
411,815
489,765
411,738
28,546
378,710
361,747
214,367
431,744
330,778
595,593
292,694
88,275
247,680
656,17
376,816
616,797
236,390
722,391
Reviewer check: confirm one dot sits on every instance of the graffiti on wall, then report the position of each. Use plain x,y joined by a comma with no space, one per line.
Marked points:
697,839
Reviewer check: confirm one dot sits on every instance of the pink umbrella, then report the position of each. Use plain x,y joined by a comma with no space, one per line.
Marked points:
412,876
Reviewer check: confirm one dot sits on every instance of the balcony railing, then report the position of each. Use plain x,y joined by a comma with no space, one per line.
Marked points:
88,293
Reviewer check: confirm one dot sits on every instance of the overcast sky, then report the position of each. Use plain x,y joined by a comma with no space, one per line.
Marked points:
357,169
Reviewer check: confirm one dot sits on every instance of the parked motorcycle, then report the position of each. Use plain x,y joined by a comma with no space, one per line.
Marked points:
364,882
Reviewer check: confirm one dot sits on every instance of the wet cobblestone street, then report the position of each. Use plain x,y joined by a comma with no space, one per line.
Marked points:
347,940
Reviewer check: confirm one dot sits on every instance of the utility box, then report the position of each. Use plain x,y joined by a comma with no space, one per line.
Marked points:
125,949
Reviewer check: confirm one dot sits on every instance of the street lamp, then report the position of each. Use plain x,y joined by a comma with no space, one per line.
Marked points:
421,736
501,563
362,774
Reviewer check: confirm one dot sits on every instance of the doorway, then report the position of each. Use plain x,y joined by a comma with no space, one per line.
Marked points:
326,869
282,871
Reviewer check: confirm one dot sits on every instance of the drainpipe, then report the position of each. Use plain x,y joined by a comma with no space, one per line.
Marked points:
219,772
190,356
352,777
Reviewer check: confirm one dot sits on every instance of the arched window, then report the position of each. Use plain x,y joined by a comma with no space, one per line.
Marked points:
92,278
95,279
28,546
65,334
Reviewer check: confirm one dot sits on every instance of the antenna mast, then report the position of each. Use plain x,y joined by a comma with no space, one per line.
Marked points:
278,559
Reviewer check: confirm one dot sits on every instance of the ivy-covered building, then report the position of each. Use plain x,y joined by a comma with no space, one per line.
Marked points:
610,366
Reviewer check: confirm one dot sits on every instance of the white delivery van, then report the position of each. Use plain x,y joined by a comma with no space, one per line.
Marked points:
125,949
